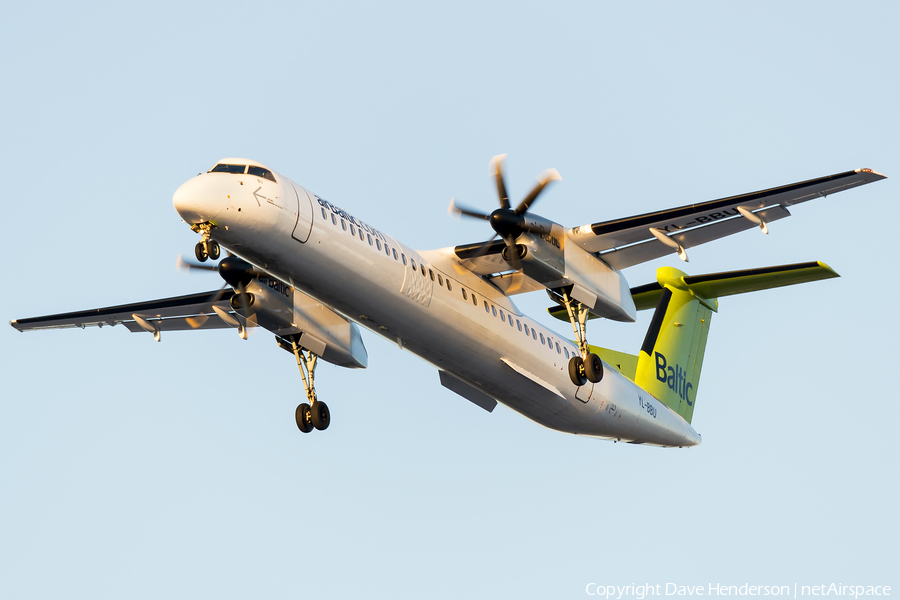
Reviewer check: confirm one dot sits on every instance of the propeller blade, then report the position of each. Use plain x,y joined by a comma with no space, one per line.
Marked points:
183,265
543,179
457,211
199,320
218,295
249,317
497,167
225,316
485,247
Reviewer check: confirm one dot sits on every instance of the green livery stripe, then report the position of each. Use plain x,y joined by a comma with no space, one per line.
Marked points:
625,363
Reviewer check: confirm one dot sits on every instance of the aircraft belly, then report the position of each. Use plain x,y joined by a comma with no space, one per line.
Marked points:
375,291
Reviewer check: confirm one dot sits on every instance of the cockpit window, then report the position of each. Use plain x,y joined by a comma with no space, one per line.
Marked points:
260,172
223,168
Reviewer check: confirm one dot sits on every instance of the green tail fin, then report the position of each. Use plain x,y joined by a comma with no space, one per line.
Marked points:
672,354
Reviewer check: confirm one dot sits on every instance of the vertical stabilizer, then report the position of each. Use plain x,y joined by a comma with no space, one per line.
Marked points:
672,354
670,360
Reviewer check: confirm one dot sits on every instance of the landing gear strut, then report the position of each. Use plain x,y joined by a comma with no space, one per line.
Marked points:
206,247
588,366
313,414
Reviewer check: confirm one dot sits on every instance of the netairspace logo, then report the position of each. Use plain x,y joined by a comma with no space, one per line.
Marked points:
640,592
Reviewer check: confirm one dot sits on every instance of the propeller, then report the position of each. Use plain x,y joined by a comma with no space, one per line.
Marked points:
508,223
237,273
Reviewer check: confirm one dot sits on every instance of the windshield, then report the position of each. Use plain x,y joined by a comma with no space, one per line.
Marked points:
260,172
223,168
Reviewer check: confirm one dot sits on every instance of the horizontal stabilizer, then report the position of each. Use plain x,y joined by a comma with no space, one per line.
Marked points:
719,285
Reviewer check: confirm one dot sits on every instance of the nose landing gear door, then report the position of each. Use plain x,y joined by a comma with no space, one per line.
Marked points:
303,226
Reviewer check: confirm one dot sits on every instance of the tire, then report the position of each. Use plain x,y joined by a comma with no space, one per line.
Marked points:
593,368
576,371
213,250
321,416
200,252
302,416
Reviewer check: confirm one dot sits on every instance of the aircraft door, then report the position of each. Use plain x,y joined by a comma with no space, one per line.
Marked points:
305,214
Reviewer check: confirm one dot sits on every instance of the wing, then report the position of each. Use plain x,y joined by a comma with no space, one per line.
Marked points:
194,311
630,241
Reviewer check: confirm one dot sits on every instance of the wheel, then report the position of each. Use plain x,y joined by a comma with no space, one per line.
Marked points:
213,250
593,368
200,252
576,371
303,418
321,417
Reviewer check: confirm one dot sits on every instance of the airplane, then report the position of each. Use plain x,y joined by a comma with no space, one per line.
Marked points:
312,274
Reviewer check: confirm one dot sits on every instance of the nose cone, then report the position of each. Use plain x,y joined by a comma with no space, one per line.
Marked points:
195,200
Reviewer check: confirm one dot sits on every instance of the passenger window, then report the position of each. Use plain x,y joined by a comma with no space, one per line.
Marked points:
431,274
369,237
533,330
394,250
333,219
378,243
518,324
542,338
567,351
413,264
422,268
494,310
526,329
464,293
324,216
343,225
557,348
474,300
449,287
260,172
352,230
360,234
403,256
440,279
502,318
487,308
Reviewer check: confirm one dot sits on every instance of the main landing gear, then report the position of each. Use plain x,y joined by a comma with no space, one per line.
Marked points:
313,414
588,366
206,247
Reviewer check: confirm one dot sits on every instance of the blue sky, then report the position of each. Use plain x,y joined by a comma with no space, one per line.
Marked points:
129,468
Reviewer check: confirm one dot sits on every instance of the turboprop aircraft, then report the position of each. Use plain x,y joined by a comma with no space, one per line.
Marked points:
312,273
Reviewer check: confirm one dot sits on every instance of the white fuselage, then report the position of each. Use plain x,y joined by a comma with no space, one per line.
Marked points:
360,273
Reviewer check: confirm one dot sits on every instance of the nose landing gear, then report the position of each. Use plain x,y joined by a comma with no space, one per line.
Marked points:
313,414
206,247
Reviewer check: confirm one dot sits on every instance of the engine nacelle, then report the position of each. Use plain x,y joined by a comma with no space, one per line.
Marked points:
553,263
602,289
286,311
